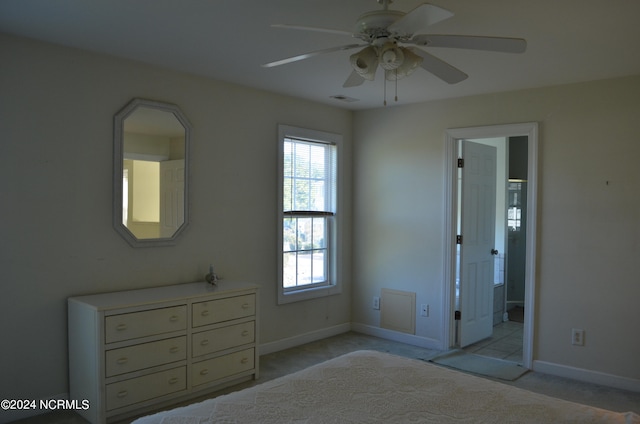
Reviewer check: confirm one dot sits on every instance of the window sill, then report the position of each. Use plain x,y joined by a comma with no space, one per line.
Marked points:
306,294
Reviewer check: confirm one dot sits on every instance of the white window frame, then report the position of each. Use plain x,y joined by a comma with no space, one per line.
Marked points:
334,285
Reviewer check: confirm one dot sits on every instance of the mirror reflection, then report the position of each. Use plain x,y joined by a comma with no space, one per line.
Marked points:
153,146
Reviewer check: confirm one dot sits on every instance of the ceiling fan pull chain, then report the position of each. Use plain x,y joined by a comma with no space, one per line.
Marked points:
396,71
385,91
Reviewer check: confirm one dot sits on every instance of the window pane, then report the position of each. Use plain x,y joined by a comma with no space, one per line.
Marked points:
301,200
289,269
287,194
304,251
319,266
308,175
317,162
305,233
319,233
316,194
304,268
288,159
302,160
289,227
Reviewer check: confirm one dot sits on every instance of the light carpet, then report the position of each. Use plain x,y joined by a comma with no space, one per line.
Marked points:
490,367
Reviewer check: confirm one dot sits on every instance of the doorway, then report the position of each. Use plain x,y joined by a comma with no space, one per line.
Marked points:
522,132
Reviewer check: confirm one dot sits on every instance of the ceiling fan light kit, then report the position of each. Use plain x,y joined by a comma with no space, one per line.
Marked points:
384,31
410,63
390,56
365,62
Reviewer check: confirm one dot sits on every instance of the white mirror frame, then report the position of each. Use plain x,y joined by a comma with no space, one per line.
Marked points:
118,156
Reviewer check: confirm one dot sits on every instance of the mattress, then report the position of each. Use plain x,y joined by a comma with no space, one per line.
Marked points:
375,387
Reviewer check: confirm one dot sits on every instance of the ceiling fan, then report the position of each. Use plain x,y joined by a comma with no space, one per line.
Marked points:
386,32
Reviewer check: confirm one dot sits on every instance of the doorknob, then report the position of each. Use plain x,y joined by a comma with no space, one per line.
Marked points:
494,252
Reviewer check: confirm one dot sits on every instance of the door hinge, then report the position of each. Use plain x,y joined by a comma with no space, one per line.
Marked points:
459,239
456,315
460,163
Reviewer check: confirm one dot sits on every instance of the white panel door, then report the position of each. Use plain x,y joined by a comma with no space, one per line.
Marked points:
171,196
478,203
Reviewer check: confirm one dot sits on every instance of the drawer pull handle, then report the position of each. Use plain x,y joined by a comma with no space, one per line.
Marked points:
174,349
121,327
245,333
204,313
244,360
174,318
122,394
173,380
245,306
122,361
204,371
204,342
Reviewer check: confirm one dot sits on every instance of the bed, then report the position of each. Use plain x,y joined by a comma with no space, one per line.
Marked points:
376,387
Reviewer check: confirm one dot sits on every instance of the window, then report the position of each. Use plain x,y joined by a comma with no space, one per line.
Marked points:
514,211
308,215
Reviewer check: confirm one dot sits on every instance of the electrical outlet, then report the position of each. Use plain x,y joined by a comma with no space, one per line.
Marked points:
424,310
376,303
577,337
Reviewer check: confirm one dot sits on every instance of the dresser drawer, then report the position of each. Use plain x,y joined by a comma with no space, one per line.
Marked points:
222,338
150,386
146,355
145,323
223,366
221,310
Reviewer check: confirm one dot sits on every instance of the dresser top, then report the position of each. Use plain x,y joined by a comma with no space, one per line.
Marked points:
140,297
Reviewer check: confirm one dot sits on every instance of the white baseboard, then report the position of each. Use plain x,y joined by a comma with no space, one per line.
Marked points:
397,336
383,333
301,339
588,376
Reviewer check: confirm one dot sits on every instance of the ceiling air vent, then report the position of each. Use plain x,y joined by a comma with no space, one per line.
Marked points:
344,98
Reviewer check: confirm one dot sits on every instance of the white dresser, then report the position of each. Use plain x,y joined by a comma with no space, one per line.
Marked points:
134,351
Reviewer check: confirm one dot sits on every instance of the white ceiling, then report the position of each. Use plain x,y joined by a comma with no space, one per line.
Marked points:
568,41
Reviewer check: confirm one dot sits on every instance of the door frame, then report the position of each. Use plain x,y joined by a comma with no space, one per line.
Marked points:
529,129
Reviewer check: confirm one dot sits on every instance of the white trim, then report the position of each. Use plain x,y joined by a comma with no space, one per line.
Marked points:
336,230
306,293
396,336
529,129
145,157
369,330
588,376
301,339
449,228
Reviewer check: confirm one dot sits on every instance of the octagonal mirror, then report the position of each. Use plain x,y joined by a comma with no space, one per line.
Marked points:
151,161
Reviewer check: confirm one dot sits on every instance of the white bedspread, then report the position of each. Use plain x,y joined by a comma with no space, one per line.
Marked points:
374,387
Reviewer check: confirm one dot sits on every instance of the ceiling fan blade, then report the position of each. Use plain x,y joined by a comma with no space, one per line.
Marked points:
440,68
419,19
316,29
354,80
472,42
311,54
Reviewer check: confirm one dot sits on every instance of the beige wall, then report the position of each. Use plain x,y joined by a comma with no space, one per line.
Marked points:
57,239
588,214
56,110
